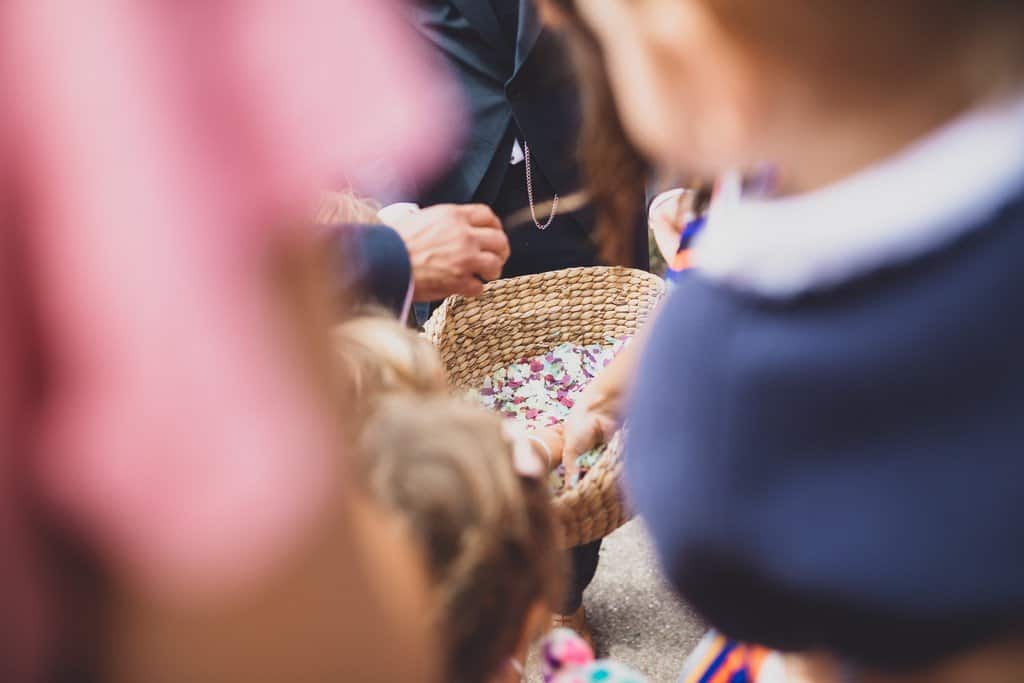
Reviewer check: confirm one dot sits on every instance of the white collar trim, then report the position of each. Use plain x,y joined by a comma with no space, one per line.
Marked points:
938,189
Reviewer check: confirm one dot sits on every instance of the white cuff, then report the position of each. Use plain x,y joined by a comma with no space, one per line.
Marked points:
397,210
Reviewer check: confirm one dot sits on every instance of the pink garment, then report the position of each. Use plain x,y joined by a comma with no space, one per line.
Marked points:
151,153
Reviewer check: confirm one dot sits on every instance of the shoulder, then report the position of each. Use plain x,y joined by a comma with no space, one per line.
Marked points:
869,408
857,350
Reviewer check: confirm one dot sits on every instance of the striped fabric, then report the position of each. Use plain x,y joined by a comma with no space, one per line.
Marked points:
682,260
721,660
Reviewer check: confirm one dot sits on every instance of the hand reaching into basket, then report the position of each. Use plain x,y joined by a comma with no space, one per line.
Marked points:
592,422
454,249
596,415
545,443
548,443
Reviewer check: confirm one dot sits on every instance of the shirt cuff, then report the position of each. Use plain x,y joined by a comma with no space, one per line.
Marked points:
396,210
407,304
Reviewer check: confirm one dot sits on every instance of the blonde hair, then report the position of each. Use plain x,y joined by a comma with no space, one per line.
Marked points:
346,207
382,357
488,534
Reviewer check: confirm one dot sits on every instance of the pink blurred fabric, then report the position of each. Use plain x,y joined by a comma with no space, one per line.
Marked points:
152,152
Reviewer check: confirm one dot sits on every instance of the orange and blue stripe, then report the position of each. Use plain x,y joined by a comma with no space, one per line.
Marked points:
729,661
683,261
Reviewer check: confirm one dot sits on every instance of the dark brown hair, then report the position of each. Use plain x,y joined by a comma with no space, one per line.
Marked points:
613,169
488,534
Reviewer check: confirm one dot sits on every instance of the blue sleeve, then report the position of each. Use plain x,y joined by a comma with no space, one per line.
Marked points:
372,262
670,416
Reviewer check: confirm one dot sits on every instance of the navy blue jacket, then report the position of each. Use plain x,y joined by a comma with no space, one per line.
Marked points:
372,265
845,470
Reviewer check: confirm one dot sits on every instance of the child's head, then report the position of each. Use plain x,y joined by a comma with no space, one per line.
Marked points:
709,85
487,532
346,207
382,357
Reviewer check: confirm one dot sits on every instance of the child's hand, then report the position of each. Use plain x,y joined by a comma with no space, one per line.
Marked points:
548,443
592,422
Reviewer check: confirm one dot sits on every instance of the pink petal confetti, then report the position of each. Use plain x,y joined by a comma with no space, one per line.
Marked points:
539,391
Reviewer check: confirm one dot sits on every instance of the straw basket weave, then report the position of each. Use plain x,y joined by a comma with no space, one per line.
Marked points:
528,316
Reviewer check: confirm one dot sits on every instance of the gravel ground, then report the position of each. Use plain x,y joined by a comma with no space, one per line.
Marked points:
635,618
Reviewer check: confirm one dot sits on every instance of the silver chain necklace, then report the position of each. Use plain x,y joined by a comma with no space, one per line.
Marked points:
529,193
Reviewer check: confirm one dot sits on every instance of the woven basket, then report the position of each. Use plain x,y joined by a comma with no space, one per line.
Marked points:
527,316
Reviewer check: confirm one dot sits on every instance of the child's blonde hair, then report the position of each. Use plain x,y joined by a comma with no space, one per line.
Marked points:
382,357
488,533
346,207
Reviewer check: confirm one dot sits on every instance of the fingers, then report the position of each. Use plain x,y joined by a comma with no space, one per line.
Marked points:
495,241
469,287
569,461
481,216
455,247
487,266
555,444
575,445
584,431
549,443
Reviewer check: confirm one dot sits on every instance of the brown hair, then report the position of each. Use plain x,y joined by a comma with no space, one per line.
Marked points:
488,534
612,167
611,163
852,47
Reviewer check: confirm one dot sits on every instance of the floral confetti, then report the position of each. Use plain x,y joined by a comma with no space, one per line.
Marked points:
541,391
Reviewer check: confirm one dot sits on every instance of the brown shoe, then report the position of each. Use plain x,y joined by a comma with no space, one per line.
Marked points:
577,621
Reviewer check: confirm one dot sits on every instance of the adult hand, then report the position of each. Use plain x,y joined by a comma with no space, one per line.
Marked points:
454,249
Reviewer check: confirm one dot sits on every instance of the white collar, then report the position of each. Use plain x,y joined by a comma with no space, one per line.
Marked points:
938,189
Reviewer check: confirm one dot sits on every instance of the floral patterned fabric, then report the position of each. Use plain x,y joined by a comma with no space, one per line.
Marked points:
566,658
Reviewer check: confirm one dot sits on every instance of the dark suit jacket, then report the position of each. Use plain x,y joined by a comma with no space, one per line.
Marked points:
535,88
